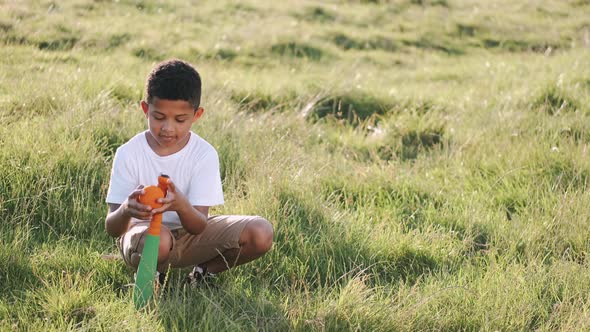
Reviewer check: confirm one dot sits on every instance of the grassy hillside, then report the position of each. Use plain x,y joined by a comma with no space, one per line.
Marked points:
424,163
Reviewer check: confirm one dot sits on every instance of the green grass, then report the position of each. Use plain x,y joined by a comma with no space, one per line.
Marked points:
424,163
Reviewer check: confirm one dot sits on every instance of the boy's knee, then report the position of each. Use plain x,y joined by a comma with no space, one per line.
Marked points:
261,234
165,245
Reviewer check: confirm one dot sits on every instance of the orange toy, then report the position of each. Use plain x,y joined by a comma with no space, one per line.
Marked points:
150,197
143,288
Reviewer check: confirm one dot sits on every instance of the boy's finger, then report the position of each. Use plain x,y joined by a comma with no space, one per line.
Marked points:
136,193
164,200
138,189
140,207
158,210
141,214
161,209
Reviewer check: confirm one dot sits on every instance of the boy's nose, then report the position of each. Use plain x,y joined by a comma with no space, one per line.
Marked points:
166,125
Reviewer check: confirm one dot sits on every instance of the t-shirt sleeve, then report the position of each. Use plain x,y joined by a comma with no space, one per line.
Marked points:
205,184
122,181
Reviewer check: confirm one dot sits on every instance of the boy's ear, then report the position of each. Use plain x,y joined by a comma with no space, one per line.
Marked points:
198,113
144,107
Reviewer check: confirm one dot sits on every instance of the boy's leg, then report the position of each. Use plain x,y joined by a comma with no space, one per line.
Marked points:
255,240
227,241
131,244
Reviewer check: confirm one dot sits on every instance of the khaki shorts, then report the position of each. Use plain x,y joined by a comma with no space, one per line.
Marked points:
222,233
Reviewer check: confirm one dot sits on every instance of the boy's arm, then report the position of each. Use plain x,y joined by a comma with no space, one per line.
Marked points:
116,223
193,218
119,216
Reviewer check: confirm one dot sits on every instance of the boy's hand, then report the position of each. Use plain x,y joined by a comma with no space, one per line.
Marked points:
135,209
173,201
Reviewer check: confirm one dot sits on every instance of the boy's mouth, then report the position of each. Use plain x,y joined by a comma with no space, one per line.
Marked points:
167,138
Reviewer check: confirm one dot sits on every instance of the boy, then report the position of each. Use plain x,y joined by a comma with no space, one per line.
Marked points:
189,236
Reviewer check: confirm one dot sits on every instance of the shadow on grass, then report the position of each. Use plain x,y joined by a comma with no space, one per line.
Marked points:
16,274
316,14
108,138
521,45
553,101
41,105
298,50
563,174
411,143
434,43
256,101
56,198
415,209
220,309
149,54
315,251
349,108
346,43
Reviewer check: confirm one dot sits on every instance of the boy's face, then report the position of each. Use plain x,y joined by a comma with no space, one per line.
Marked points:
170,121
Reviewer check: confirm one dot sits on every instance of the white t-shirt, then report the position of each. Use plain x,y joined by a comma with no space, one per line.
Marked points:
194,171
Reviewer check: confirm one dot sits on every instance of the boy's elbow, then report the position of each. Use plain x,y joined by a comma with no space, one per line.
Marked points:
196,229
110,229
114,234
202,228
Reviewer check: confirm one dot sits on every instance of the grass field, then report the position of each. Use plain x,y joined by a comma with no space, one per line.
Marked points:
424,163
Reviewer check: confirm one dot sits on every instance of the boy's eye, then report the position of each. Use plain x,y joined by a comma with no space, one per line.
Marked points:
158,117
180,121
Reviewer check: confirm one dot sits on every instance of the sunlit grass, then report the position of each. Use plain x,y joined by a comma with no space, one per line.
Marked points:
424,163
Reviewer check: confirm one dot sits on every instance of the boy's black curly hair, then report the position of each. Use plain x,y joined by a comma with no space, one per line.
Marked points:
174,80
